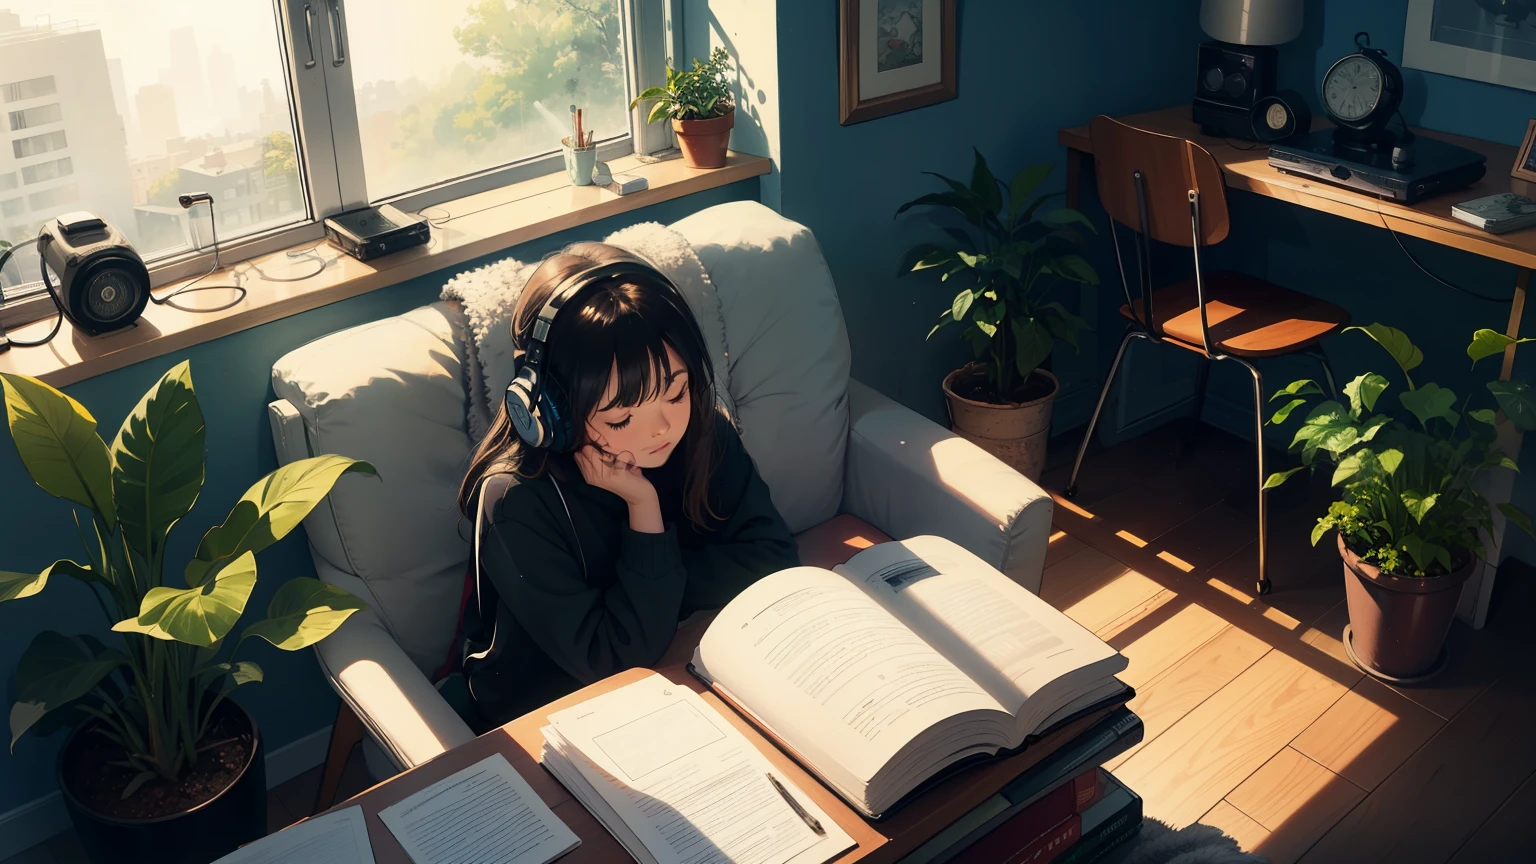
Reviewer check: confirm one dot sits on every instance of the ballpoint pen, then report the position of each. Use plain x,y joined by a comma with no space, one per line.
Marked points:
795,806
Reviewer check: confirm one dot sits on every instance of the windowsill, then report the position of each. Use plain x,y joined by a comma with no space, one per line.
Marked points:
492,221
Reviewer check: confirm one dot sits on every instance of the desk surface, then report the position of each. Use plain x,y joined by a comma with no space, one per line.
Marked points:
1429,219
520,741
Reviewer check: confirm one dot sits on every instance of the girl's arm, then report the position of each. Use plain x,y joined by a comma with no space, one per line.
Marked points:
590,633
752,542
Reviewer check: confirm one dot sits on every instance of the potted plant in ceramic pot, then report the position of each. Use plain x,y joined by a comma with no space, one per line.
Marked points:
1409,519
1006,262
699,102
161,765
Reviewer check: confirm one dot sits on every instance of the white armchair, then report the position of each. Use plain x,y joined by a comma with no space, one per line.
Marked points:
394,392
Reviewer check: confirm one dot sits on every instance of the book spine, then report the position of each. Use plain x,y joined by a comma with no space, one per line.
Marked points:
1024,828
1088,789
1047,846
1096,842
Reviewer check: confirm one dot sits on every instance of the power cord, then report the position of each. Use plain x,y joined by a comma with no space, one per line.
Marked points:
1427,272
6,340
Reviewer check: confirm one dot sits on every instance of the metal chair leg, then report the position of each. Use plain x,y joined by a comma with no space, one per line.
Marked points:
1109,381
1322,360
1263,585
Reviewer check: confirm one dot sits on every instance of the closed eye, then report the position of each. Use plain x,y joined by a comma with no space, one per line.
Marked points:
621,424
682,393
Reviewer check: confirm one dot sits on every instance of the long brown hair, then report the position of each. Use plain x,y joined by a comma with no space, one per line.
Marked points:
626,321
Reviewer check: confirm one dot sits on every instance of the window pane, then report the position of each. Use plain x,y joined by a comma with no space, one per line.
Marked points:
453,87
118,107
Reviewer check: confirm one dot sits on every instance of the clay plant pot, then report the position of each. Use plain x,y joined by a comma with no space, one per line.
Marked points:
1398,624
230,818
1014,433
704,142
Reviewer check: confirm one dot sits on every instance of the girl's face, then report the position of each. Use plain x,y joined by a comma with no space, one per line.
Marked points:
644,434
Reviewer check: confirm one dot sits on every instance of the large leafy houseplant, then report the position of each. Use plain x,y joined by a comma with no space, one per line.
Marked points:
1408,501
1006,260
155,695
691,94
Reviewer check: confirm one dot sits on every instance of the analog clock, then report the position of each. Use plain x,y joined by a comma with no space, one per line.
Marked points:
1361,92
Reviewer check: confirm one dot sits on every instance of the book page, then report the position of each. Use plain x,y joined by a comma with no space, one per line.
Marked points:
335,838
833,672
486,813
1006,639
685,783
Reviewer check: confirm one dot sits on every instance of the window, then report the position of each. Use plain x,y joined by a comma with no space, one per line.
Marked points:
39,116
410,102
47,171
37,144
7,181
49,198
13,207
32,88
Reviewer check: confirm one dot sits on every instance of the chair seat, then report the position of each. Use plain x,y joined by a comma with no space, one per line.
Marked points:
1248,316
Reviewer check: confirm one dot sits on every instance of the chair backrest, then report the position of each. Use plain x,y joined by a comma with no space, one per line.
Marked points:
395,392
1168,169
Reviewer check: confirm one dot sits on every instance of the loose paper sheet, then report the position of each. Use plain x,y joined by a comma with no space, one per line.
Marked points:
336,838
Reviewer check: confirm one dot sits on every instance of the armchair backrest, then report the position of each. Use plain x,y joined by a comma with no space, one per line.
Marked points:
394,392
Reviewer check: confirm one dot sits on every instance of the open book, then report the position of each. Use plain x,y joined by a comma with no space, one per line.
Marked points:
912,657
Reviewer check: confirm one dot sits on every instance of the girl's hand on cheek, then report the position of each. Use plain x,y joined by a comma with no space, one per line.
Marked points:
618,475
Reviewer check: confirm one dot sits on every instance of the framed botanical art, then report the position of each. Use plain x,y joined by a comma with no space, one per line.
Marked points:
1525,157
895,55
1485,40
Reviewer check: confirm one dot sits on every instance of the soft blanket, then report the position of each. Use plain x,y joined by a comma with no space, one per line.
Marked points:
489,295
1157,843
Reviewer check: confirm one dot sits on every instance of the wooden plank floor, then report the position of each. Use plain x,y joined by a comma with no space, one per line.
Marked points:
1256,721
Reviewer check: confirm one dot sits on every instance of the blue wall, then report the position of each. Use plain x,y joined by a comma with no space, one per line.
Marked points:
233,380
1025,70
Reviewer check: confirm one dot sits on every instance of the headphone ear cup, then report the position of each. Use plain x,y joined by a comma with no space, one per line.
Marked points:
557,421
520,410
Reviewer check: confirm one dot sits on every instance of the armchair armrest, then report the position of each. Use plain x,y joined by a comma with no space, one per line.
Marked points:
399,707
906,475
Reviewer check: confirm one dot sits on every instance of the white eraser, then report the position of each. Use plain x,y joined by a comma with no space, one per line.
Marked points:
624,184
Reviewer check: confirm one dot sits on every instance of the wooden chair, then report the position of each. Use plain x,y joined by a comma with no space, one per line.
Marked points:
1171,190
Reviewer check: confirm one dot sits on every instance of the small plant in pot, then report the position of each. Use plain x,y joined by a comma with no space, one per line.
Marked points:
699,102
1005,263
161,764
1409,519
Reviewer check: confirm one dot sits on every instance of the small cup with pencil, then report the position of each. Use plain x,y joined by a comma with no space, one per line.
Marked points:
580,151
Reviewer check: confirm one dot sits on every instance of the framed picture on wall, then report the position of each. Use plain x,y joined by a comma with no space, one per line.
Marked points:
1485,40
895,55
1525,158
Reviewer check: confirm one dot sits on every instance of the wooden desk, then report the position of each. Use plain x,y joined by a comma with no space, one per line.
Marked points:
1248,170
521,742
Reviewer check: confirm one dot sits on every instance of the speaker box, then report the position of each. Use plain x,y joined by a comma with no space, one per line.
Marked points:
1230,81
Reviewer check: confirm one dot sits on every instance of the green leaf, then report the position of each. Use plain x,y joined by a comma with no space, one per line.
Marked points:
1486,343
54,671
1033,344
1362,392
1517,516
271,508
932,256
984,185
1328,427
243,672
1063,324
1024,184
1418,505
1348,467
1064,216
1429,402
1304,387
1389,460
1075,269
970,260
962,304
14,586
204,614
1397,344
1514,398
1279,477
964,205
304,611
660,111
986,327
1319,530
1374,425
57,441
1486,416
1285,411
157,461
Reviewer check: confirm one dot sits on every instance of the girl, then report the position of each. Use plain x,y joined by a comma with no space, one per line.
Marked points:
591,556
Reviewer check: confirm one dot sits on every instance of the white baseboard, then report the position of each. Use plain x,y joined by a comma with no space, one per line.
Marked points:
37,821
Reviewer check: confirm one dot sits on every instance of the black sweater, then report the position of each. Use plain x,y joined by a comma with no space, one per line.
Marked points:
556,630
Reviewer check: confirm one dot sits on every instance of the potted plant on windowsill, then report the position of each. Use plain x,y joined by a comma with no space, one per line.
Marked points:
699,102
161,765
1409,520
1006,261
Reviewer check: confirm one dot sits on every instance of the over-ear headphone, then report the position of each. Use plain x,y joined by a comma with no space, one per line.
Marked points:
539,414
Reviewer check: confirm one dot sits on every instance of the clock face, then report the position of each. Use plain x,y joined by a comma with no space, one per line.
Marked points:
1276,116
1352,88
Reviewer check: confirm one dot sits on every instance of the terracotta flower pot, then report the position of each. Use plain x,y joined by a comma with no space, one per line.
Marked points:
1015,434
1398,624
704,142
